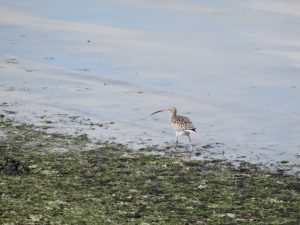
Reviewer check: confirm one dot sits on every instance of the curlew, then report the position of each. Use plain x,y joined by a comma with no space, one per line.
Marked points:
181,124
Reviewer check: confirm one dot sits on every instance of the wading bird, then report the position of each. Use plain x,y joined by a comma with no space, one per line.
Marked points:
181,124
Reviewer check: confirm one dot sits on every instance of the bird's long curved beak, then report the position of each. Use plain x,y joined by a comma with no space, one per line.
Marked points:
156,112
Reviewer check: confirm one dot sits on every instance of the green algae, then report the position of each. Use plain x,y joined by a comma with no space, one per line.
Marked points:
111,184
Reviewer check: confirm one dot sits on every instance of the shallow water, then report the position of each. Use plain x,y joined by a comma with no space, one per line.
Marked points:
232,67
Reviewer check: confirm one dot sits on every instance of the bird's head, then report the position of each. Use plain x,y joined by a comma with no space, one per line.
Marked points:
172,110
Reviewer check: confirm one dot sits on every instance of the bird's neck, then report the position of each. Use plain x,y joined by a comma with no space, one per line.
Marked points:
172,115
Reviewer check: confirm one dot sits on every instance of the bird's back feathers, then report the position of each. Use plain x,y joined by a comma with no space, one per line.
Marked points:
182,123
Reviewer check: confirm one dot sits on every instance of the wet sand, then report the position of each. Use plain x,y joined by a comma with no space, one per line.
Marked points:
97,72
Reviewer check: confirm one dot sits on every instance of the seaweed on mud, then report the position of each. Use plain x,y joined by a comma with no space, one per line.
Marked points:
111,184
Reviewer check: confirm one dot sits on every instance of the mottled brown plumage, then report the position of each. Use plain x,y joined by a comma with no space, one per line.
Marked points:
181,124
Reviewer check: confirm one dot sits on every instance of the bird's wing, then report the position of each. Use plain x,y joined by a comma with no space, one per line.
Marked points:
188,125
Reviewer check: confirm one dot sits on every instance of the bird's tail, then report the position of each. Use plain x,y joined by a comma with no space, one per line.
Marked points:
193,130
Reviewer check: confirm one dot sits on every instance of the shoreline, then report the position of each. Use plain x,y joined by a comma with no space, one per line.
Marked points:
205,152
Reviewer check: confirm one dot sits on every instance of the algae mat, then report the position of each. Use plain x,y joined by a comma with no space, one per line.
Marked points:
59,179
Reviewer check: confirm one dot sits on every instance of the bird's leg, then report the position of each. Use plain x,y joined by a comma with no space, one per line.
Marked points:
176,142
191,148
